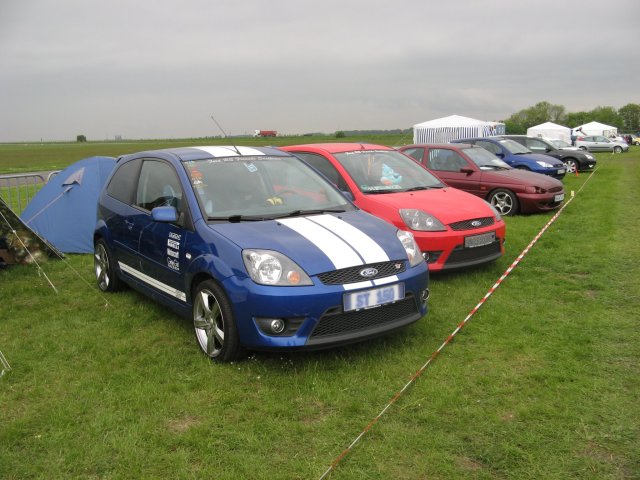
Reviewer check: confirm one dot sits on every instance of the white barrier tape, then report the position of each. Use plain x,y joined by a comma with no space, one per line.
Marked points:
5,365
454,333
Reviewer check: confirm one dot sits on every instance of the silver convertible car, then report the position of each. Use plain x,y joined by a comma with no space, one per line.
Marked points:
598,143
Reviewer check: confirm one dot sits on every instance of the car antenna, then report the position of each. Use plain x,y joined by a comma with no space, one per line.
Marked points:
226,136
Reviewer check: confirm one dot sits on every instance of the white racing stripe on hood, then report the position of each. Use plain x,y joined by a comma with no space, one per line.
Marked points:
363,243
229,151
341,254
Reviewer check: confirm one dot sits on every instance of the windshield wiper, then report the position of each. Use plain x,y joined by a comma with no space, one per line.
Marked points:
238,218
298,213
380,192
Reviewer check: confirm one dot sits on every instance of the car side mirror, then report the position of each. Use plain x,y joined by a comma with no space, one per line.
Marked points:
499,155
164,214
466,170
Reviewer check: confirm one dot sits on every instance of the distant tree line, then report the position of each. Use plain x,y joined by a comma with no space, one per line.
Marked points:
625,119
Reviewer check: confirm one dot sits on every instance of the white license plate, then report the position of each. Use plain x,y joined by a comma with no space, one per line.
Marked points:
373,297
479,240
561,171
559,197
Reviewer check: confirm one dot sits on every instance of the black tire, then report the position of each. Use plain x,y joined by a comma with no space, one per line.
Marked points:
505,201
617,149
571,165
104,268
214,324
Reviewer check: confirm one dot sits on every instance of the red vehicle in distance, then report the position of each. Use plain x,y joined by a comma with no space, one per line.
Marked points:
265,133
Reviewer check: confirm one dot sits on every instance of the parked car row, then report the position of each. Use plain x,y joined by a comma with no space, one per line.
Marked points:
573,158
311,246
477,171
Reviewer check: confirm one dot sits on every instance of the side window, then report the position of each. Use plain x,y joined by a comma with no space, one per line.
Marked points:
123,183
417,153
158,186
324,166
445,160
536,145
493,148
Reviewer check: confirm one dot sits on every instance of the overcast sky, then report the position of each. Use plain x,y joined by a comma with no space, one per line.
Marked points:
160,69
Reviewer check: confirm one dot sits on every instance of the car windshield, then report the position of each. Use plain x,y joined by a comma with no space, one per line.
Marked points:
261,188
560,143
514,147
386,171
485,159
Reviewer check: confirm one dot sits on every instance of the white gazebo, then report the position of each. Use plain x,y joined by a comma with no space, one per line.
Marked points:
550,130
453,127
596,128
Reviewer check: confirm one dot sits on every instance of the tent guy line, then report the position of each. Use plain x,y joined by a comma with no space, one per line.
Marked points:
40,270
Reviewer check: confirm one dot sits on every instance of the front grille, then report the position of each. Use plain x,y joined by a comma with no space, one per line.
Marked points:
469,224
352,274
336,322
470,255
555,189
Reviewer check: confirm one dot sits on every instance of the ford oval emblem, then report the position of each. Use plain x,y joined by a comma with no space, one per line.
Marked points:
368,272
476,223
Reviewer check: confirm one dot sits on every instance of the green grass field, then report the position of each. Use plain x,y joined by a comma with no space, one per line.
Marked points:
541,383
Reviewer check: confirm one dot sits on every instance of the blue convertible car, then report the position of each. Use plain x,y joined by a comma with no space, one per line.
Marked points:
257,247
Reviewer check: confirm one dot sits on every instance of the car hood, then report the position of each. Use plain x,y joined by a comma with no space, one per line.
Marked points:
320,243
539,157
521,177
449,204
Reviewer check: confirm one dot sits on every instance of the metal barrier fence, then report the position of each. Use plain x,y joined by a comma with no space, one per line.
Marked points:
18,190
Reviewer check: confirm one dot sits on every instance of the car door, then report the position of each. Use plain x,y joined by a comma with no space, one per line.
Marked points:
121,214
601,144
447,164
162,244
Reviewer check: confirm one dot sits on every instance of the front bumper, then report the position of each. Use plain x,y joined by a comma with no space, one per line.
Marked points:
446,251
314,315
536,202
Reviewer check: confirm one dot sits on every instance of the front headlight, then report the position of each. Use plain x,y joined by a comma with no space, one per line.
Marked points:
495,211
590,157
532,189
544,164
411,247
419,220
268,267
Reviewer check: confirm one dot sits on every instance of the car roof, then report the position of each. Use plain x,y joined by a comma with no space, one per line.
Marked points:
339,147
442,145
187,154
463,140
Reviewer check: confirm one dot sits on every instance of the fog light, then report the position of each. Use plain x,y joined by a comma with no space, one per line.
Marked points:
425,255
424,296
277,325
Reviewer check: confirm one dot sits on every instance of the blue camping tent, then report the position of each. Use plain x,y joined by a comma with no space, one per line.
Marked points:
64,210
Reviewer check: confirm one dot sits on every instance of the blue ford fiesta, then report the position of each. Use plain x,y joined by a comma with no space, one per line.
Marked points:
257,247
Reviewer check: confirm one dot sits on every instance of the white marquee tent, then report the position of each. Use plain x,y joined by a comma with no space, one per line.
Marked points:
550,130
596,128
453,127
